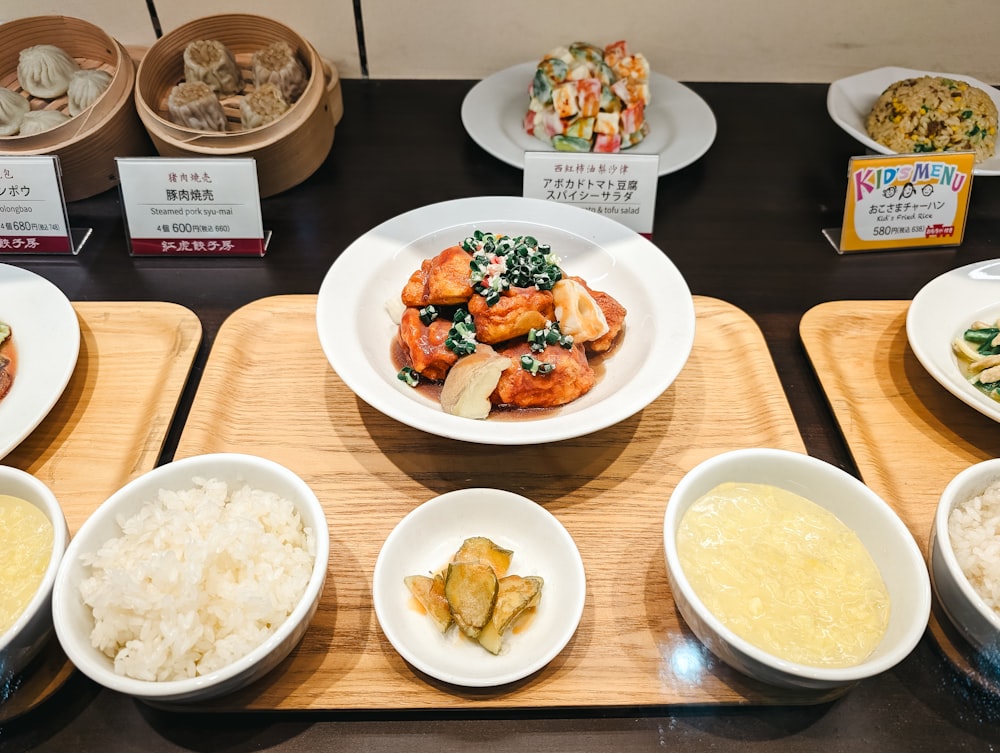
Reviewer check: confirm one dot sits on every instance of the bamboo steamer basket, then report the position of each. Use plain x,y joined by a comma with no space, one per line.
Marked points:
88,143
289,149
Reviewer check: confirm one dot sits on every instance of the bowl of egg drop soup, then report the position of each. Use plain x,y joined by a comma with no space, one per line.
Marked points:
793,571
33,538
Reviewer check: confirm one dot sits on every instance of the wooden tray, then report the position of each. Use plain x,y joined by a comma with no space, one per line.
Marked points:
907,434
108,427
268,390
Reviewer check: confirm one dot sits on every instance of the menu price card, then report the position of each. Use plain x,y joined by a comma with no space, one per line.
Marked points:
191,207
906,201
619,186
32,208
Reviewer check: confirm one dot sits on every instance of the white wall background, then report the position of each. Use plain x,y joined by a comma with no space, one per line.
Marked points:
689,40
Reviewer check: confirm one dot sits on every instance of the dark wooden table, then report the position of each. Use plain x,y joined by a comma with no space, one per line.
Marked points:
742,224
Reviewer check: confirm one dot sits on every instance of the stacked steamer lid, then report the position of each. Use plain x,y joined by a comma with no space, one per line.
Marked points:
86,140
288,149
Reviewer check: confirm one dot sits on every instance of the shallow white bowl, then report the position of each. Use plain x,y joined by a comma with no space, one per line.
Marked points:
29,633
424,541
850,99
73,619
965,608
881,531
356,330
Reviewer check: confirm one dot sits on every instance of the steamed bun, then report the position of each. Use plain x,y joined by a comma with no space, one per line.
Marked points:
45,70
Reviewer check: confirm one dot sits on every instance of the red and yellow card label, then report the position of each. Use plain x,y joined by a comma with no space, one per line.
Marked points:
907,201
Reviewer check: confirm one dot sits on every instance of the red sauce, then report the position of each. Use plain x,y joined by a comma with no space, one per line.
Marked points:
8,365
432,390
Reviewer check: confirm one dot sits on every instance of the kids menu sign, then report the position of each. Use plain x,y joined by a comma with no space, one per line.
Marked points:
906,201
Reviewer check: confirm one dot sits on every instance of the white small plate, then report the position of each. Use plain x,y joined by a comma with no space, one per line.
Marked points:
941,311
46,335
681,124
424,541
356,331
850,99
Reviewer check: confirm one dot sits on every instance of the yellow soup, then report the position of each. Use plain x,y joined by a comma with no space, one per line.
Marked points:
25,550
784,574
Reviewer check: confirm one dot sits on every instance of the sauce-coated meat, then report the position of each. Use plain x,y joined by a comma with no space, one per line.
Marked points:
518,311
572,377
443,280
424,344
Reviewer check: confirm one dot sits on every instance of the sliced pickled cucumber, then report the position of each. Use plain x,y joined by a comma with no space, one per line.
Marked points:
482,549
429,592
515,595
471,589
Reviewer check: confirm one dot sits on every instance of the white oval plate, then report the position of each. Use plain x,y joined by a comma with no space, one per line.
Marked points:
424,541
682,126
850,99
46,333
941,311
356,331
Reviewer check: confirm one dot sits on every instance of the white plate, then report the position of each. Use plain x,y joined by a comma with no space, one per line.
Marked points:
424,541
46,334
356,331
941,311
849,100
681,125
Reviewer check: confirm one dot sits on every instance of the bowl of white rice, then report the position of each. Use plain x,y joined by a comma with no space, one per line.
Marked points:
965,554
194,579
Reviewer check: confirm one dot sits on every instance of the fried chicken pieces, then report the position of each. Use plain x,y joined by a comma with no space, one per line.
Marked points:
502,309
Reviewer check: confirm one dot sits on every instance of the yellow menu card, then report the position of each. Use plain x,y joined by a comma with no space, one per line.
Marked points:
906,201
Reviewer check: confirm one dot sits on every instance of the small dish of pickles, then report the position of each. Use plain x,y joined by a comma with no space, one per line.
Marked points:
479,587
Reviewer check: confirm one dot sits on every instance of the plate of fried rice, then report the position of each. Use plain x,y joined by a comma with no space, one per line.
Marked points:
902,110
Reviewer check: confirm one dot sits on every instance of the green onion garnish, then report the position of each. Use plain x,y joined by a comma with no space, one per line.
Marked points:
539,339
461,338
409,375
501,262
536,367
428,314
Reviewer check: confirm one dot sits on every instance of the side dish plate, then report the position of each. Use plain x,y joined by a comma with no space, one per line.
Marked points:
940,312
425,540
682,127
46,335
850,99
356,330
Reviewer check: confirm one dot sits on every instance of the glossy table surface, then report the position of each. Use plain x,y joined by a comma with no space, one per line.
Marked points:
742,224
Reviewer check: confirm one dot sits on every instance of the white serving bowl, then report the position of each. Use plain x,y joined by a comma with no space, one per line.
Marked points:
26,637
964,606
356,330
427,537
881,531
73,619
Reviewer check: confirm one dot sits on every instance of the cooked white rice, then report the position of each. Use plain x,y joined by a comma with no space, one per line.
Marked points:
197,579
974,530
